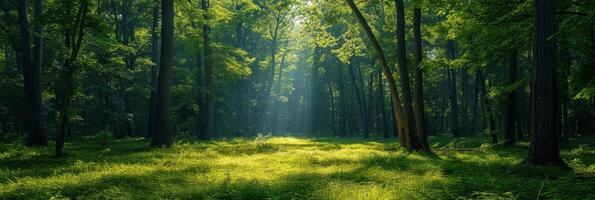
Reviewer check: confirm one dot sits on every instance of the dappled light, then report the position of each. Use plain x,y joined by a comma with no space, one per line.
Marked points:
297,99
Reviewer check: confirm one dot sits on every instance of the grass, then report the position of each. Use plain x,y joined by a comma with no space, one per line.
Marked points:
290,168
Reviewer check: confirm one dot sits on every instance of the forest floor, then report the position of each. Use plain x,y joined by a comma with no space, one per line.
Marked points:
291,168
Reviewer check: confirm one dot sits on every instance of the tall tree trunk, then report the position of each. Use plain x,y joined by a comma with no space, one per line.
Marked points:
383,127
73,43
404,78
163,135
128,37
546,116
404,129
511,101
154,71
33,116
358,89
452,79
343,104
370,108
208,114
420,118
278,94
486,101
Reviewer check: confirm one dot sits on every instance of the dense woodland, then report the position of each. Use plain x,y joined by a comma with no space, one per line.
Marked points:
507,72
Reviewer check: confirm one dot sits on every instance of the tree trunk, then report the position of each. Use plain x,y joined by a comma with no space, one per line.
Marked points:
73,43
208,114
404,78
163,135
420,118
383,127
486,101
404,128
31,68
154,71
546,117
343,104
511,101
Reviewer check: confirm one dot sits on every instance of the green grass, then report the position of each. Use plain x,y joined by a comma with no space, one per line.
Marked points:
290,168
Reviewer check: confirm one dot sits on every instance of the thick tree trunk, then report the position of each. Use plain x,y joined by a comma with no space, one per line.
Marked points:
511,101
404,78
154,71
420,118
163,135
403,128
31,68
546,119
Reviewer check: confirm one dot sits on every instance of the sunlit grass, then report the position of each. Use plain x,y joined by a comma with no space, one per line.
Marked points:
289,168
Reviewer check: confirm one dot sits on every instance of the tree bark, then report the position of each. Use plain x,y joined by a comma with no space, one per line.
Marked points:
511,101
73,43
420,118
31,68
154,70
404,129
163,135
486,101
544,149
208,110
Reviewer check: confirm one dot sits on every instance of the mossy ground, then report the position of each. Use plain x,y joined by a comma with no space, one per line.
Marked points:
291,168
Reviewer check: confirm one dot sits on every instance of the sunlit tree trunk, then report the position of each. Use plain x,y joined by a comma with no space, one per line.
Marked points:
404,129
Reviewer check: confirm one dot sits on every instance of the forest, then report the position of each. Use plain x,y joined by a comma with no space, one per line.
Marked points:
297,99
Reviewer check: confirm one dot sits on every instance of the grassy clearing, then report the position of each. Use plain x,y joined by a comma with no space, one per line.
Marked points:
289,168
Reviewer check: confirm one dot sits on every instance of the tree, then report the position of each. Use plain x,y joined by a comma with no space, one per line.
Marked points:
420,119
154,70
546,114
511,101
206,111
163,134
33,117
73,41
404,129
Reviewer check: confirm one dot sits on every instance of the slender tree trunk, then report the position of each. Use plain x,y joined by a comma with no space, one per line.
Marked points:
383,127
163,135
208,114
403,128
278,94
343,104
33,116
420,118
370,108
154,71
452,82
486,101
73,43
511,101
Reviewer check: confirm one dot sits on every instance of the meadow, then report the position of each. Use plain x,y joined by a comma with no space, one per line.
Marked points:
291,168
